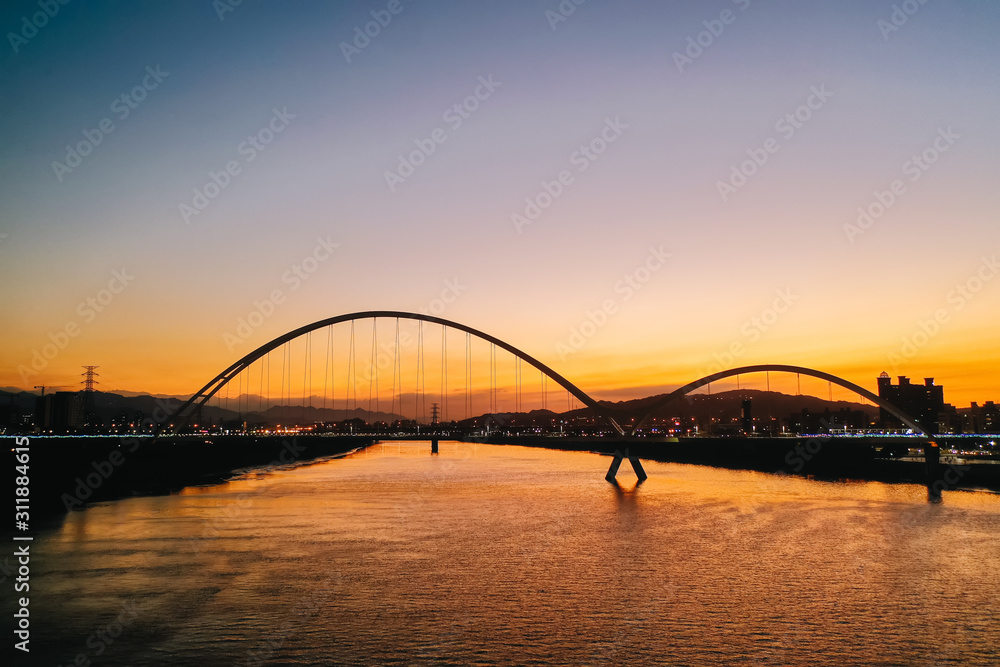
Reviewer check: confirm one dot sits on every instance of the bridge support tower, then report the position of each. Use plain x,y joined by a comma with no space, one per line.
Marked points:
616,463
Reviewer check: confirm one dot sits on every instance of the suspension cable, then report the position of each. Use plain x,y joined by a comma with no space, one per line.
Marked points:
493,378
373,370
306,373
352,374
284,354
468,375
395,360
545,404
326,363
444,372
421,376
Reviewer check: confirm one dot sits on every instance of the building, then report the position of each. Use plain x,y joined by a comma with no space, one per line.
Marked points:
923,402
981,418
10,415
808,422
61,412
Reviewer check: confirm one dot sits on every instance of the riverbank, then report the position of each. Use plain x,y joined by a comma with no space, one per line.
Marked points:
820,458
66,473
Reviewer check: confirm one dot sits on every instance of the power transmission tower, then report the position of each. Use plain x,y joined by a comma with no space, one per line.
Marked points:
434,413
88,378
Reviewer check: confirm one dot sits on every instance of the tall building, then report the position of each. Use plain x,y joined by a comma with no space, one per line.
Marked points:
923,402
61,412
10,414
981,418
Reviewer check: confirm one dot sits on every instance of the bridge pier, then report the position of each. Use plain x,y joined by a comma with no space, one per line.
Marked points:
640,472
616,463
935,482
434,445
613,470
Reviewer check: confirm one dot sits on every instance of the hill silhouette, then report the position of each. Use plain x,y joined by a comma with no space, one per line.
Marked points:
108,406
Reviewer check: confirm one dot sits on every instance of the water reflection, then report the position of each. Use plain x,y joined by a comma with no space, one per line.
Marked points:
492,555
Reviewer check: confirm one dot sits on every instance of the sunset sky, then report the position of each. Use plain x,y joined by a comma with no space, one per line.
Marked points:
715,154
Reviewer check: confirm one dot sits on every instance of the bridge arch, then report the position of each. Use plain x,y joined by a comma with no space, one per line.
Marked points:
201,397
782,368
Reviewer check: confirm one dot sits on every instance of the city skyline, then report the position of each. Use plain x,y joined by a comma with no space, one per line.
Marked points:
629,193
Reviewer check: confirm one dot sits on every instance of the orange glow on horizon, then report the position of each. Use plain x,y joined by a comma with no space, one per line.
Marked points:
174,371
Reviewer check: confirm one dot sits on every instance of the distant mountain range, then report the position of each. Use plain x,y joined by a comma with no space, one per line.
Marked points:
765,403
119,392
110,406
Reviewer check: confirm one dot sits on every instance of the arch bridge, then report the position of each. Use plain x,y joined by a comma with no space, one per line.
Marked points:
183,414
780,368
614,415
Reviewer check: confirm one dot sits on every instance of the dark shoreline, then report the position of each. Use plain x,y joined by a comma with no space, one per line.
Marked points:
68,473
817,458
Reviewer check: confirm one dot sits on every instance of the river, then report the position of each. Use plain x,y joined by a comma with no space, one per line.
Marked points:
491,555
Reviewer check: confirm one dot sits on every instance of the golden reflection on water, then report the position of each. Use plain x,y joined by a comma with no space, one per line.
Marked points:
498,555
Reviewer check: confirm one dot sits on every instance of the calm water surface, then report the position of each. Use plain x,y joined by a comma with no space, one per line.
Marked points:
487,555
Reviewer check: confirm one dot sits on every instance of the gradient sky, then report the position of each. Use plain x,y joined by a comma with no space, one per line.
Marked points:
855,299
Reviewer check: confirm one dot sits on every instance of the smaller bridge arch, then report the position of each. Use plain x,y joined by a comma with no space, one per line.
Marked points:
781,368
